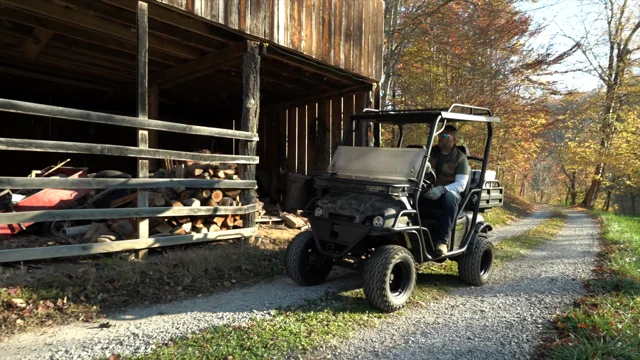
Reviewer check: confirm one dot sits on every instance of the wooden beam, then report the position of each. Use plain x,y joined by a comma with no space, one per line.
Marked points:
142,31
348,106
81,36
312,138
22,107
184,21
98,54
302,140
93,60
18,58
200,67
50,252
93,183
314,66
31,47
320,98
323,155
299,84
121,213
249,122
292,139
156,28
292,74
154,113
69,15
117,150
55,79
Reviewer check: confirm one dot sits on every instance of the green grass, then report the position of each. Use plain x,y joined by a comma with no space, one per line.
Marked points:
286,331
606,324
291,331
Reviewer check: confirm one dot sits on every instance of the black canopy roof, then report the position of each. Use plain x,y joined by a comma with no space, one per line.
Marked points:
455,112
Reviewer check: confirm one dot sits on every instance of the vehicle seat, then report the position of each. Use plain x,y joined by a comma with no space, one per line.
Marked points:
416,147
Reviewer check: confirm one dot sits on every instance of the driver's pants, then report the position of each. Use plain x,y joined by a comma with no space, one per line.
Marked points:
449,204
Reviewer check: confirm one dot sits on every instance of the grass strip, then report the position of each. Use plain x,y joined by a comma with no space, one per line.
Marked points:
295,331
605,324
514,247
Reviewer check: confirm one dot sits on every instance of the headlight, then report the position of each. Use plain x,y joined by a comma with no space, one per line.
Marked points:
378,221
318,212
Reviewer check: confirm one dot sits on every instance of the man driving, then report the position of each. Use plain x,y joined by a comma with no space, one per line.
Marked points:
452,172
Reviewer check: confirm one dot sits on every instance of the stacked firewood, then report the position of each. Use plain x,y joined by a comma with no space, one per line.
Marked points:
180,197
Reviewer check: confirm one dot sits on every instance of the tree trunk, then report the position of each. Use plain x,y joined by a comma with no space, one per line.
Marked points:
607,202
592,194
632,196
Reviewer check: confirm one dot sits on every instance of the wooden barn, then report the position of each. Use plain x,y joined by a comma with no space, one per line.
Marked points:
259,91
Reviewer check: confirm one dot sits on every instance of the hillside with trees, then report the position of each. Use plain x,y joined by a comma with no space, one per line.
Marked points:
553,144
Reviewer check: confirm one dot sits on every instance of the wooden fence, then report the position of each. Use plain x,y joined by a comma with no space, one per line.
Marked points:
247,159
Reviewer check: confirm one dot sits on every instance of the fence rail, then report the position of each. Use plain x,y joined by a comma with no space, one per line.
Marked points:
123,245
247,163
28,108
93,214
117,150
92,183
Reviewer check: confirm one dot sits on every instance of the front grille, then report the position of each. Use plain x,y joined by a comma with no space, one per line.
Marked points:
344,218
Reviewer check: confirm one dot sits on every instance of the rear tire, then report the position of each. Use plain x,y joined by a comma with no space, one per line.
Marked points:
304,264
476,265
389,277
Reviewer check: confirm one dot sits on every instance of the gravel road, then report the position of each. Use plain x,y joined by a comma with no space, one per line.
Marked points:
501,320
518,300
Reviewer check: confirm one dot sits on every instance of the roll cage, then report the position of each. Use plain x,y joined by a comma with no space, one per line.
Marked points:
434,118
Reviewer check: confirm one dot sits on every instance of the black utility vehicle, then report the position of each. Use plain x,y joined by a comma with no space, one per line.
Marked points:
370,218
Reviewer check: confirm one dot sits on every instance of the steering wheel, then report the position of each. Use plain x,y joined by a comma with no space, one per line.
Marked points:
429,179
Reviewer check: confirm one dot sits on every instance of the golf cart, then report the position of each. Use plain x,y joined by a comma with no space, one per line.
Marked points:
369,216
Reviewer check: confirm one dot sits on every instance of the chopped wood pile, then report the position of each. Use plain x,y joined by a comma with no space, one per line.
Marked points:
180,197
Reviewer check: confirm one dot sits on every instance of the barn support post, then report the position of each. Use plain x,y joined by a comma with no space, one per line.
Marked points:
249,122
143,112
377,130
154,113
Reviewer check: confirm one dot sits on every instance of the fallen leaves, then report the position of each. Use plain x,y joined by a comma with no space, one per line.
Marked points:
17,302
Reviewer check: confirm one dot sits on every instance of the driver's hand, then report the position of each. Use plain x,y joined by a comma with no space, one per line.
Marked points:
435,192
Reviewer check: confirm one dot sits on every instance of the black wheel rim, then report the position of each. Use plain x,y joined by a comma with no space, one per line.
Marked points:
398,281
485,263
313,260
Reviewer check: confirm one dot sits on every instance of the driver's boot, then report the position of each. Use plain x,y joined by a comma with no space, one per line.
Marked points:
441,250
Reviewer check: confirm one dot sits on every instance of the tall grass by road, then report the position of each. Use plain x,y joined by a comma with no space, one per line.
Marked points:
606,324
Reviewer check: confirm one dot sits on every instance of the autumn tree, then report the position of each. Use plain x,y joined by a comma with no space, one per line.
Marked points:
403,21
478,52
610,54
573,139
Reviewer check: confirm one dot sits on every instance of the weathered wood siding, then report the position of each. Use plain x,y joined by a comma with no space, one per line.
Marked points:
303,138
344,33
